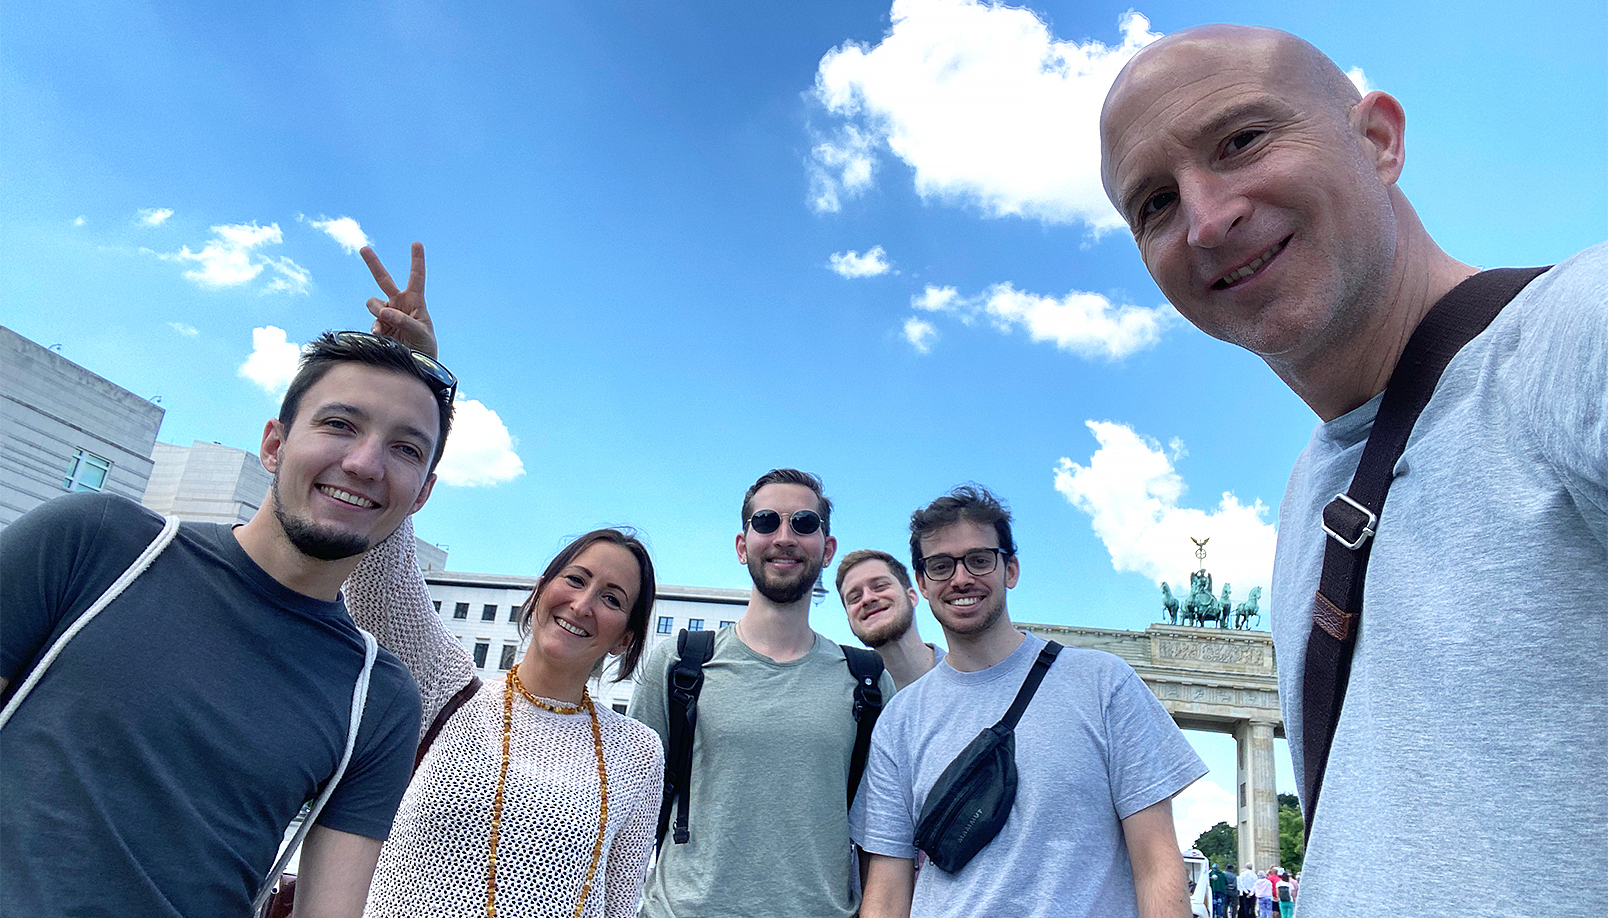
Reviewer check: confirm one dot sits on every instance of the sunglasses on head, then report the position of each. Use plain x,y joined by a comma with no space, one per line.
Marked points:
440,377
804,522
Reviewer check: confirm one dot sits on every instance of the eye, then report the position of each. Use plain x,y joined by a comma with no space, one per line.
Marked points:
338,424
614,601
574,580
411,451
1240,141
1156,203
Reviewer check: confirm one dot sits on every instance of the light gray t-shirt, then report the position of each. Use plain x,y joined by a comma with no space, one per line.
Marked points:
768,823
1473,741
1093,748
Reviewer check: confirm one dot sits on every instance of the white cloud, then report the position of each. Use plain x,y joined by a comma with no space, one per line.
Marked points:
188,331
228,258
1085,324
155,216
344,230
480,451
1360,80
1200,806
79,221
920,333
1132,492
853,264
840,168
292,278
983,103
273,360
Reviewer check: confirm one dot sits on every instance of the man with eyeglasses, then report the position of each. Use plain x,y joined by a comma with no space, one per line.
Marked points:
881,604
156,762
1098,760
767,819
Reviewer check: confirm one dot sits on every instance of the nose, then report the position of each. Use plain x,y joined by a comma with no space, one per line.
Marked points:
1213,209
962,575
365,459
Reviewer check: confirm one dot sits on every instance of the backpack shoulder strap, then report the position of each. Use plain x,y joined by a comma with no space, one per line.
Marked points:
693,650
1030,684
866,667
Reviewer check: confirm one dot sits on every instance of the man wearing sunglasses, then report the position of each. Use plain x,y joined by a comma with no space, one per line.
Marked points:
767,824
1097,758
156,762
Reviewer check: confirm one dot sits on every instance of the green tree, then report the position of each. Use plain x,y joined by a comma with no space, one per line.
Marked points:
1292,833
1220,844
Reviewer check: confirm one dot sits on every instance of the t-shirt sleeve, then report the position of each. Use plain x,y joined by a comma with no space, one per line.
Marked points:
365,801
650,702
56,560
882,819
1150,759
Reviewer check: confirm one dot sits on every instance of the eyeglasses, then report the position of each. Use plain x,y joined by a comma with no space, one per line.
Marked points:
440,377
804,522
978,561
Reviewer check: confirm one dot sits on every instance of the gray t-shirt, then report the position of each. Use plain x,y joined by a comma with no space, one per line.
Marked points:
768,823
1475,726
1093,748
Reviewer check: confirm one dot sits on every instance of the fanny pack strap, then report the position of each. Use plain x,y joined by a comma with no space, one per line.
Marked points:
1046,656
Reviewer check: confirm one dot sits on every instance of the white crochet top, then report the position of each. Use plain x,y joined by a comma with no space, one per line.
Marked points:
435,861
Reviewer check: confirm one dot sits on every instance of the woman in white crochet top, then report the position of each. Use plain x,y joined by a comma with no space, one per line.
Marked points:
530,800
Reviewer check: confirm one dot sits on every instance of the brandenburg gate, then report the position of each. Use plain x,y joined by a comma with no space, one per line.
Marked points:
1215,679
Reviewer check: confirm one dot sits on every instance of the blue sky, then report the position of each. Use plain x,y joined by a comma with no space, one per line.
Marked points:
631,213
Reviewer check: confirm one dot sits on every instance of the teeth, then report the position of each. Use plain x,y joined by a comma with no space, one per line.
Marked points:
964,601
570,628
347,497
1253,267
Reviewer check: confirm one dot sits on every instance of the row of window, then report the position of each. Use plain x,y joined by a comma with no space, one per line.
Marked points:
482,648
667,624
488,612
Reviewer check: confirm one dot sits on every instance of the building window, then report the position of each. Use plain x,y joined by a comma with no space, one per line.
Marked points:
695,624
665,624
437,604
460,610
513,612
618,708
489,613
507,661
481,649
724,623
86,472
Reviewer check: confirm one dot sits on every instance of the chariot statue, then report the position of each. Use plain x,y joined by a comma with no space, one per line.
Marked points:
1200,607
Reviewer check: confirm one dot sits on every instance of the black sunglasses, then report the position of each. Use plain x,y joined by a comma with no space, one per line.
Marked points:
804,522
440,377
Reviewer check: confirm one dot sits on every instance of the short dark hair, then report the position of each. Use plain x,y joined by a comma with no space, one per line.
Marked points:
324,352
793,477
854,558
970,502
636,621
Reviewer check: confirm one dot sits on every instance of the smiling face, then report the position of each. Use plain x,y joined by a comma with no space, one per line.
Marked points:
783,563
582,613
1260,199
967,603
355,461
881,609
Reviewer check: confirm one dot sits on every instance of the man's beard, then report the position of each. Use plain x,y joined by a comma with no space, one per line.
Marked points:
893,631
313,540
786,591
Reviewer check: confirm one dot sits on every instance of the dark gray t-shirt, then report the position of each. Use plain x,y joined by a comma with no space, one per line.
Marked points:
154,768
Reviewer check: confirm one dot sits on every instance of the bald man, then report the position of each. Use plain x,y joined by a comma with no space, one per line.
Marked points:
1260,187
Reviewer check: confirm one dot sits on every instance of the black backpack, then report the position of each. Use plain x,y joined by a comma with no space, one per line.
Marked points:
693,650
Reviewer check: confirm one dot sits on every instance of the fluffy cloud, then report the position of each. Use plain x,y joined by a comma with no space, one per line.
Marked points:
1085,324
189,331
1200,806
853,264
273,360
344,230
1132,492
920,333
79,220
1360,80
154,216
982,103
480,451
230,259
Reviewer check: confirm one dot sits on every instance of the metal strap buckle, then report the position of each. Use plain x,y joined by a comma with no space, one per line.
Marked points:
1367,525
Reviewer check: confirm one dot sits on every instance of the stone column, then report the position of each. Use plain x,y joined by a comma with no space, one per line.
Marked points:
1257,797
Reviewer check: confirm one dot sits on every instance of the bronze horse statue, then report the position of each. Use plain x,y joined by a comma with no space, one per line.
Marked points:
1247,610
1169,603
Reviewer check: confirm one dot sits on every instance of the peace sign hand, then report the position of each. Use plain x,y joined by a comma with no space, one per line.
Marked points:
403,315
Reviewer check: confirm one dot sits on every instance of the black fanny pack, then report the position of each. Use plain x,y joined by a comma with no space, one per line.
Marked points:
973,797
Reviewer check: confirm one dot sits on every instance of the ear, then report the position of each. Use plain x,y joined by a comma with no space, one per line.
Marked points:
831,549
424,493
273,437
1382,124
1012,571
742,546
915,598
623,644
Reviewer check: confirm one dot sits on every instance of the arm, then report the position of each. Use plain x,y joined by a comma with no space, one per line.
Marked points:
890,885
1158,868
402,315
633,841
334,874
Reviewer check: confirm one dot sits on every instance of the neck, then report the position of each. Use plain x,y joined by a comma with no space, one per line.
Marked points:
545,681
907,659
781,632
1344,374
265,543
970,653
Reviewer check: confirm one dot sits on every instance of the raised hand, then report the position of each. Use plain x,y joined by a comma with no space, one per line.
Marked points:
402,315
